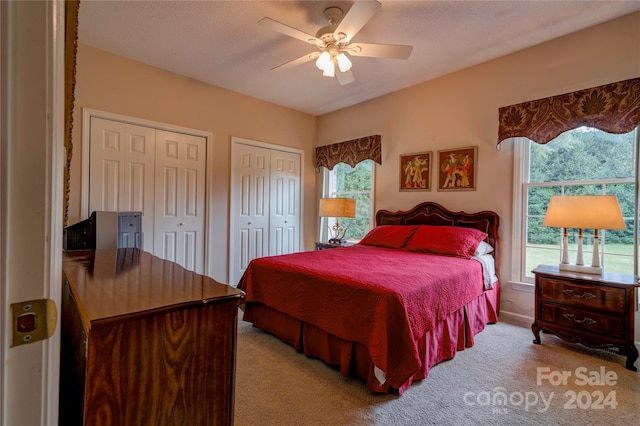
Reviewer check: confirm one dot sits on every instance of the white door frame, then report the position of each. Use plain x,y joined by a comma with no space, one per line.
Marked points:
89,113
32,158
235,141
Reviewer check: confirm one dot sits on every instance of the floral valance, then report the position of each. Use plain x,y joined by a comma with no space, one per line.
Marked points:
350,152
613,108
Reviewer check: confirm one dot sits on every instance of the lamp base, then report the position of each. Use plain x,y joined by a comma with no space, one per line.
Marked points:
585,269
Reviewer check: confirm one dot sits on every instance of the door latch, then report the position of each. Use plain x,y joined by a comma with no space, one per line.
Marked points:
33,320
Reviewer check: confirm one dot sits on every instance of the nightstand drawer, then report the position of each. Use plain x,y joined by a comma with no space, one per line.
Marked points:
590,321
587,296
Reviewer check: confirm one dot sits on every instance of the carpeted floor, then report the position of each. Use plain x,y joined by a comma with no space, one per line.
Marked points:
277,386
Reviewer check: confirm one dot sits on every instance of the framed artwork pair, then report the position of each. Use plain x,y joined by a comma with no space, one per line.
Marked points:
456,170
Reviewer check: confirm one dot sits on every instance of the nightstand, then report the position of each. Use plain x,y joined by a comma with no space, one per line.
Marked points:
324,246
594,310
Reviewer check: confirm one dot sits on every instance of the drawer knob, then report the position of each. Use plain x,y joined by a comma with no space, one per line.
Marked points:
585,320
579,296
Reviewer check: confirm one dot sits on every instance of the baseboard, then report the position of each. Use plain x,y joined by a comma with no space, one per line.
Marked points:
516,319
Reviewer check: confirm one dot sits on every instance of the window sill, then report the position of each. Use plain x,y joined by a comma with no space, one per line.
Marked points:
520,286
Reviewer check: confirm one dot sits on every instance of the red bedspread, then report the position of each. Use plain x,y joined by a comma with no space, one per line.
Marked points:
385,299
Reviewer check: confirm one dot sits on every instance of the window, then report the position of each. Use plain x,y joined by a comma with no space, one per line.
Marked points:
358,183
583,161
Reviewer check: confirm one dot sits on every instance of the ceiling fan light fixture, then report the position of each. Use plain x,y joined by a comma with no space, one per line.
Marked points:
329,71
324,61
344,63
333,41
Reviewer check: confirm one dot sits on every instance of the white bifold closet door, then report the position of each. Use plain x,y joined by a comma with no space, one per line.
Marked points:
159,173
265,205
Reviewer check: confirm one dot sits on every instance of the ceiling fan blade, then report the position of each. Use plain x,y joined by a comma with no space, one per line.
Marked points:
372,50
290,31
294,63
344,77
355,19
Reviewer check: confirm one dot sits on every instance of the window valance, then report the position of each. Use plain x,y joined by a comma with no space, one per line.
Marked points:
350,152
613,108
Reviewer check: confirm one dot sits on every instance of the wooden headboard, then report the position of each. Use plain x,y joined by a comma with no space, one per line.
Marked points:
429,213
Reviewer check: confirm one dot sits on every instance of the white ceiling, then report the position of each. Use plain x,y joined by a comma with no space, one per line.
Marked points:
220,43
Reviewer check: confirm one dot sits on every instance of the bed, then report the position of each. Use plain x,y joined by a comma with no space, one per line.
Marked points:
412,293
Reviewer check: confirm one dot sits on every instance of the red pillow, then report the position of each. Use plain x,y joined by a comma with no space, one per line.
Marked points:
448,240
391,236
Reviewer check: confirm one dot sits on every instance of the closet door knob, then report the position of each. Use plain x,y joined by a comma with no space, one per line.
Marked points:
249,223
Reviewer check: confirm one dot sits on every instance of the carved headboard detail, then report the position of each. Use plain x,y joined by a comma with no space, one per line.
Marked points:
429,213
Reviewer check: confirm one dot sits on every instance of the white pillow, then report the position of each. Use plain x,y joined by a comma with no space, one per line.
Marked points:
483,248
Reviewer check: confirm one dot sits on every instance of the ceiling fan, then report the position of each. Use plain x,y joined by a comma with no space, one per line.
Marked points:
334,41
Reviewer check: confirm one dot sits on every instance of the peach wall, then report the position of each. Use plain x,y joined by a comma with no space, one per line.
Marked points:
111,83
461,109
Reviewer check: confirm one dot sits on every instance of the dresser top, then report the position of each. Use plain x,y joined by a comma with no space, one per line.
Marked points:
611,278
111,283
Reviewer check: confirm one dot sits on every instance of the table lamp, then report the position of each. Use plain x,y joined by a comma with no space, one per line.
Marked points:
337,208
583,212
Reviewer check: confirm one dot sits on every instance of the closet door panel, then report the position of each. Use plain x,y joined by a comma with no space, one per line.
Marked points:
136,182
242,249
285,203
169,198
250,207
191,193
122,158
192,208
111,189
168,246
260,243
107,165
166,196
180,195
190,250
139,178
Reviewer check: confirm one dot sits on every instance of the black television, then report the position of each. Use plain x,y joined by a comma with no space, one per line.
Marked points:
105,230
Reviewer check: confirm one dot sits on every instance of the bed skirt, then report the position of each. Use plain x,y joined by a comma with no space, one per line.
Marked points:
453,334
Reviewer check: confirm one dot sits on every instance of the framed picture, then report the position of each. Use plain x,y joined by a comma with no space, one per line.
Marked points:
415,171
457,169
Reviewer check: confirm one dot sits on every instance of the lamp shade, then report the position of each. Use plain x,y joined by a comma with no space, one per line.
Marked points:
584,212
337,207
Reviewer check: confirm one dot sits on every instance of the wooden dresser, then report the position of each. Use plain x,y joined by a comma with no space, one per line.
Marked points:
594,310
145,341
